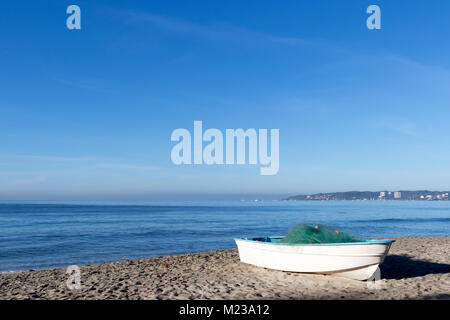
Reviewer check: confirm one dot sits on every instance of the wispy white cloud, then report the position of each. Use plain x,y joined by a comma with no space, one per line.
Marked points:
126,166
44,158
211,32
96,162
90,84
418,65
400,126
29,181
225,32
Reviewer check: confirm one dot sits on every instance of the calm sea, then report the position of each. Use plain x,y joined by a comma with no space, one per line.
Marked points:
38,235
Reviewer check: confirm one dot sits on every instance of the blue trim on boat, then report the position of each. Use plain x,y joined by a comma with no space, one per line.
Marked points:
269,240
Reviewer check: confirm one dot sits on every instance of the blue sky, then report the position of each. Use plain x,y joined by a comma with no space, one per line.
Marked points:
88,114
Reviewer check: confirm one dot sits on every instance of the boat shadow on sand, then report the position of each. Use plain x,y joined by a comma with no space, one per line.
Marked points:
402,267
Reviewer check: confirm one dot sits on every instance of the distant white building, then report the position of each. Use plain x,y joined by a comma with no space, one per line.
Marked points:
382,195
397,195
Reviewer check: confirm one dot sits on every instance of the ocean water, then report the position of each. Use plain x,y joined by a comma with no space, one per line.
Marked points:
39,235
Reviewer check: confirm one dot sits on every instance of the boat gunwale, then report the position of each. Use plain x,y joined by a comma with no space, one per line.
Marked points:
363,242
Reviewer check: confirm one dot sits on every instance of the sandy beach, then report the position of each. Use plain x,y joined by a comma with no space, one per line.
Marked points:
416,268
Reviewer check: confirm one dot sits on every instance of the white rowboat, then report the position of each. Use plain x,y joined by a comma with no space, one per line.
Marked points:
354,260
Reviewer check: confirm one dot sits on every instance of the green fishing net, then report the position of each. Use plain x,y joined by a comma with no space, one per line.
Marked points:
304,233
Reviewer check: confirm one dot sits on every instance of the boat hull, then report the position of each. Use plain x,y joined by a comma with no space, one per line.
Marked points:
355,260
